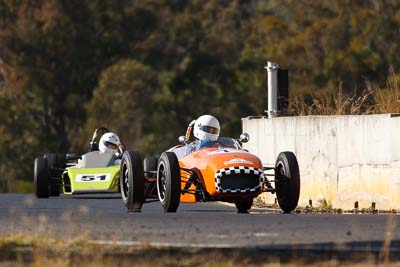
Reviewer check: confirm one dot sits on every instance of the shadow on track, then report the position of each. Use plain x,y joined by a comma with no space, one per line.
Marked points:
92,196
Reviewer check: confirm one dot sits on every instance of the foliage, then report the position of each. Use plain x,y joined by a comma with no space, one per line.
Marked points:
127,112
388,99
145,69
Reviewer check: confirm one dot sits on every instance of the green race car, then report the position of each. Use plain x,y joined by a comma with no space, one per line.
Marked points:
92,172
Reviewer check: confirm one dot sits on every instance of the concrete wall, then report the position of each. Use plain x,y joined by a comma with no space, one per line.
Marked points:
342,159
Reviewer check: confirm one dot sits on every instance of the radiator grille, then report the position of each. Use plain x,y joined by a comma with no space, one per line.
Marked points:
239,179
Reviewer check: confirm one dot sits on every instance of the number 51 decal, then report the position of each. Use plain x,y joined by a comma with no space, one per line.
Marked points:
92,177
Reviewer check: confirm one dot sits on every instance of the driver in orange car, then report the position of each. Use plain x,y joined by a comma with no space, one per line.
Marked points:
206,130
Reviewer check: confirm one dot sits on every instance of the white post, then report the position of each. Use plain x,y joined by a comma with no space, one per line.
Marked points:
272,69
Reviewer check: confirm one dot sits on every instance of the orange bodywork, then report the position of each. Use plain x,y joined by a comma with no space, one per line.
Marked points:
207,161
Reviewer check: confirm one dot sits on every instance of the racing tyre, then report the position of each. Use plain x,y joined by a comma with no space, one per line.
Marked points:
287,181
150,164
243,205
169,181
55,189
132,180
56,165
41,178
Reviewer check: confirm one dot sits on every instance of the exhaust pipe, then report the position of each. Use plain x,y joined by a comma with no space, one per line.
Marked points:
272,69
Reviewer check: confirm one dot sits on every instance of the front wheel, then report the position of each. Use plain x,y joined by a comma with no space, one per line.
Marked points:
287,181
132,180
169,181
41,178
56,165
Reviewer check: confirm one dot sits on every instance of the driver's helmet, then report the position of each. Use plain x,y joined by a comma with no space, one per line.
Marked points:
109,143
206,127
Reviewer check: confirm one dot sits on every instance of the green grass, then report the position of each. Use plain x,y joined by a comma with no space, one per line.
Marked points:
23,187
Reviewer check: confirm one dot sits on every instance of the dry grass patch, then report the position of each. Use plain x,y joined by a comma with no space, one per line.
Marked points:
370,101
326,103
388,99
31,250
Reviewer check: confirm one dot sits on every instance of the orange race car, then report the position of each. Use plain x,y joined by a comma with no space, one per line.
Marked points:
218,171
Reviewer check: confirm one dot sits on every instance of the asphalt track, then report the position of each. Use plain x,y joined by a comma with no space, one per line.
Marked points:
103,219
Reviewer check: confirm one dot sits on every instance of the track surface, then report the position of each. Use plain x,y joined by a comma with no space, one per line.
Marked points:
103,218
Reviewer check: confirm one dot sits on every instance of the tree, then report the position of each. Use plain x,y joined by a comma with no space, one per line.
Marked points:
123,103
67,67
51,55
332,42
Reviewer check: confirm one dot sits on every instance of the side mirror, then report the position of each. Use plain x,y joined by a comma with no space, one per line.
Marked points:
244,138
182,139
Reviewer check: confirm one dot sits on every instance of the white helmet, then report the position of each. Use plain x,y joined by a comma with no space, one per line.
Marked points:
109,143
206,127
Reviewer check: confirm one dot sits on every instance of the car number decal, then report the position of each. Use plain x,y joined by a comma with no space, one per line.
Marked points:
92,177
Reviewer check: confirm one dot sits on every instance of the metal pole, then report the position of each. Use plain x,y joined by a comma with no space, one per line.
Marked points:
272,69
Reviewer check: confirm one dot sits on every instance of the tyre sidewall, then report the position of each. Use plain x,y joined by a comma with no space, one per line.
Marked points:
124,165
55,164
170,163
131,162
41,178
287,191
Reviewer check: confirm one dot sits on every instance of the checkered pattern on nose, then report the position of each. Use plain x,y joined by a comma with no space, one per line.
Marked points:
238,170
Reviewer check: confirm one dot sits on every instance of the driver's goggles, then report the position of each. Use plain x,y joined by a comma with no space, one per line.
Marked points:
110,145
209,129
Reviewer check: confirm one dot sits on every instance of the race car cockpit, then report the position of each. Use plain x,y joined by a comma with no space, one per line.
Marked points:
222,142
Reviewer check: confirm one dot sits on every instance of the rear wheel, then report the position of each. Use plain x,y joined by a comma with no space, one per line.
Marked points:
41,178
132,180
287,181
243,205
169,181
